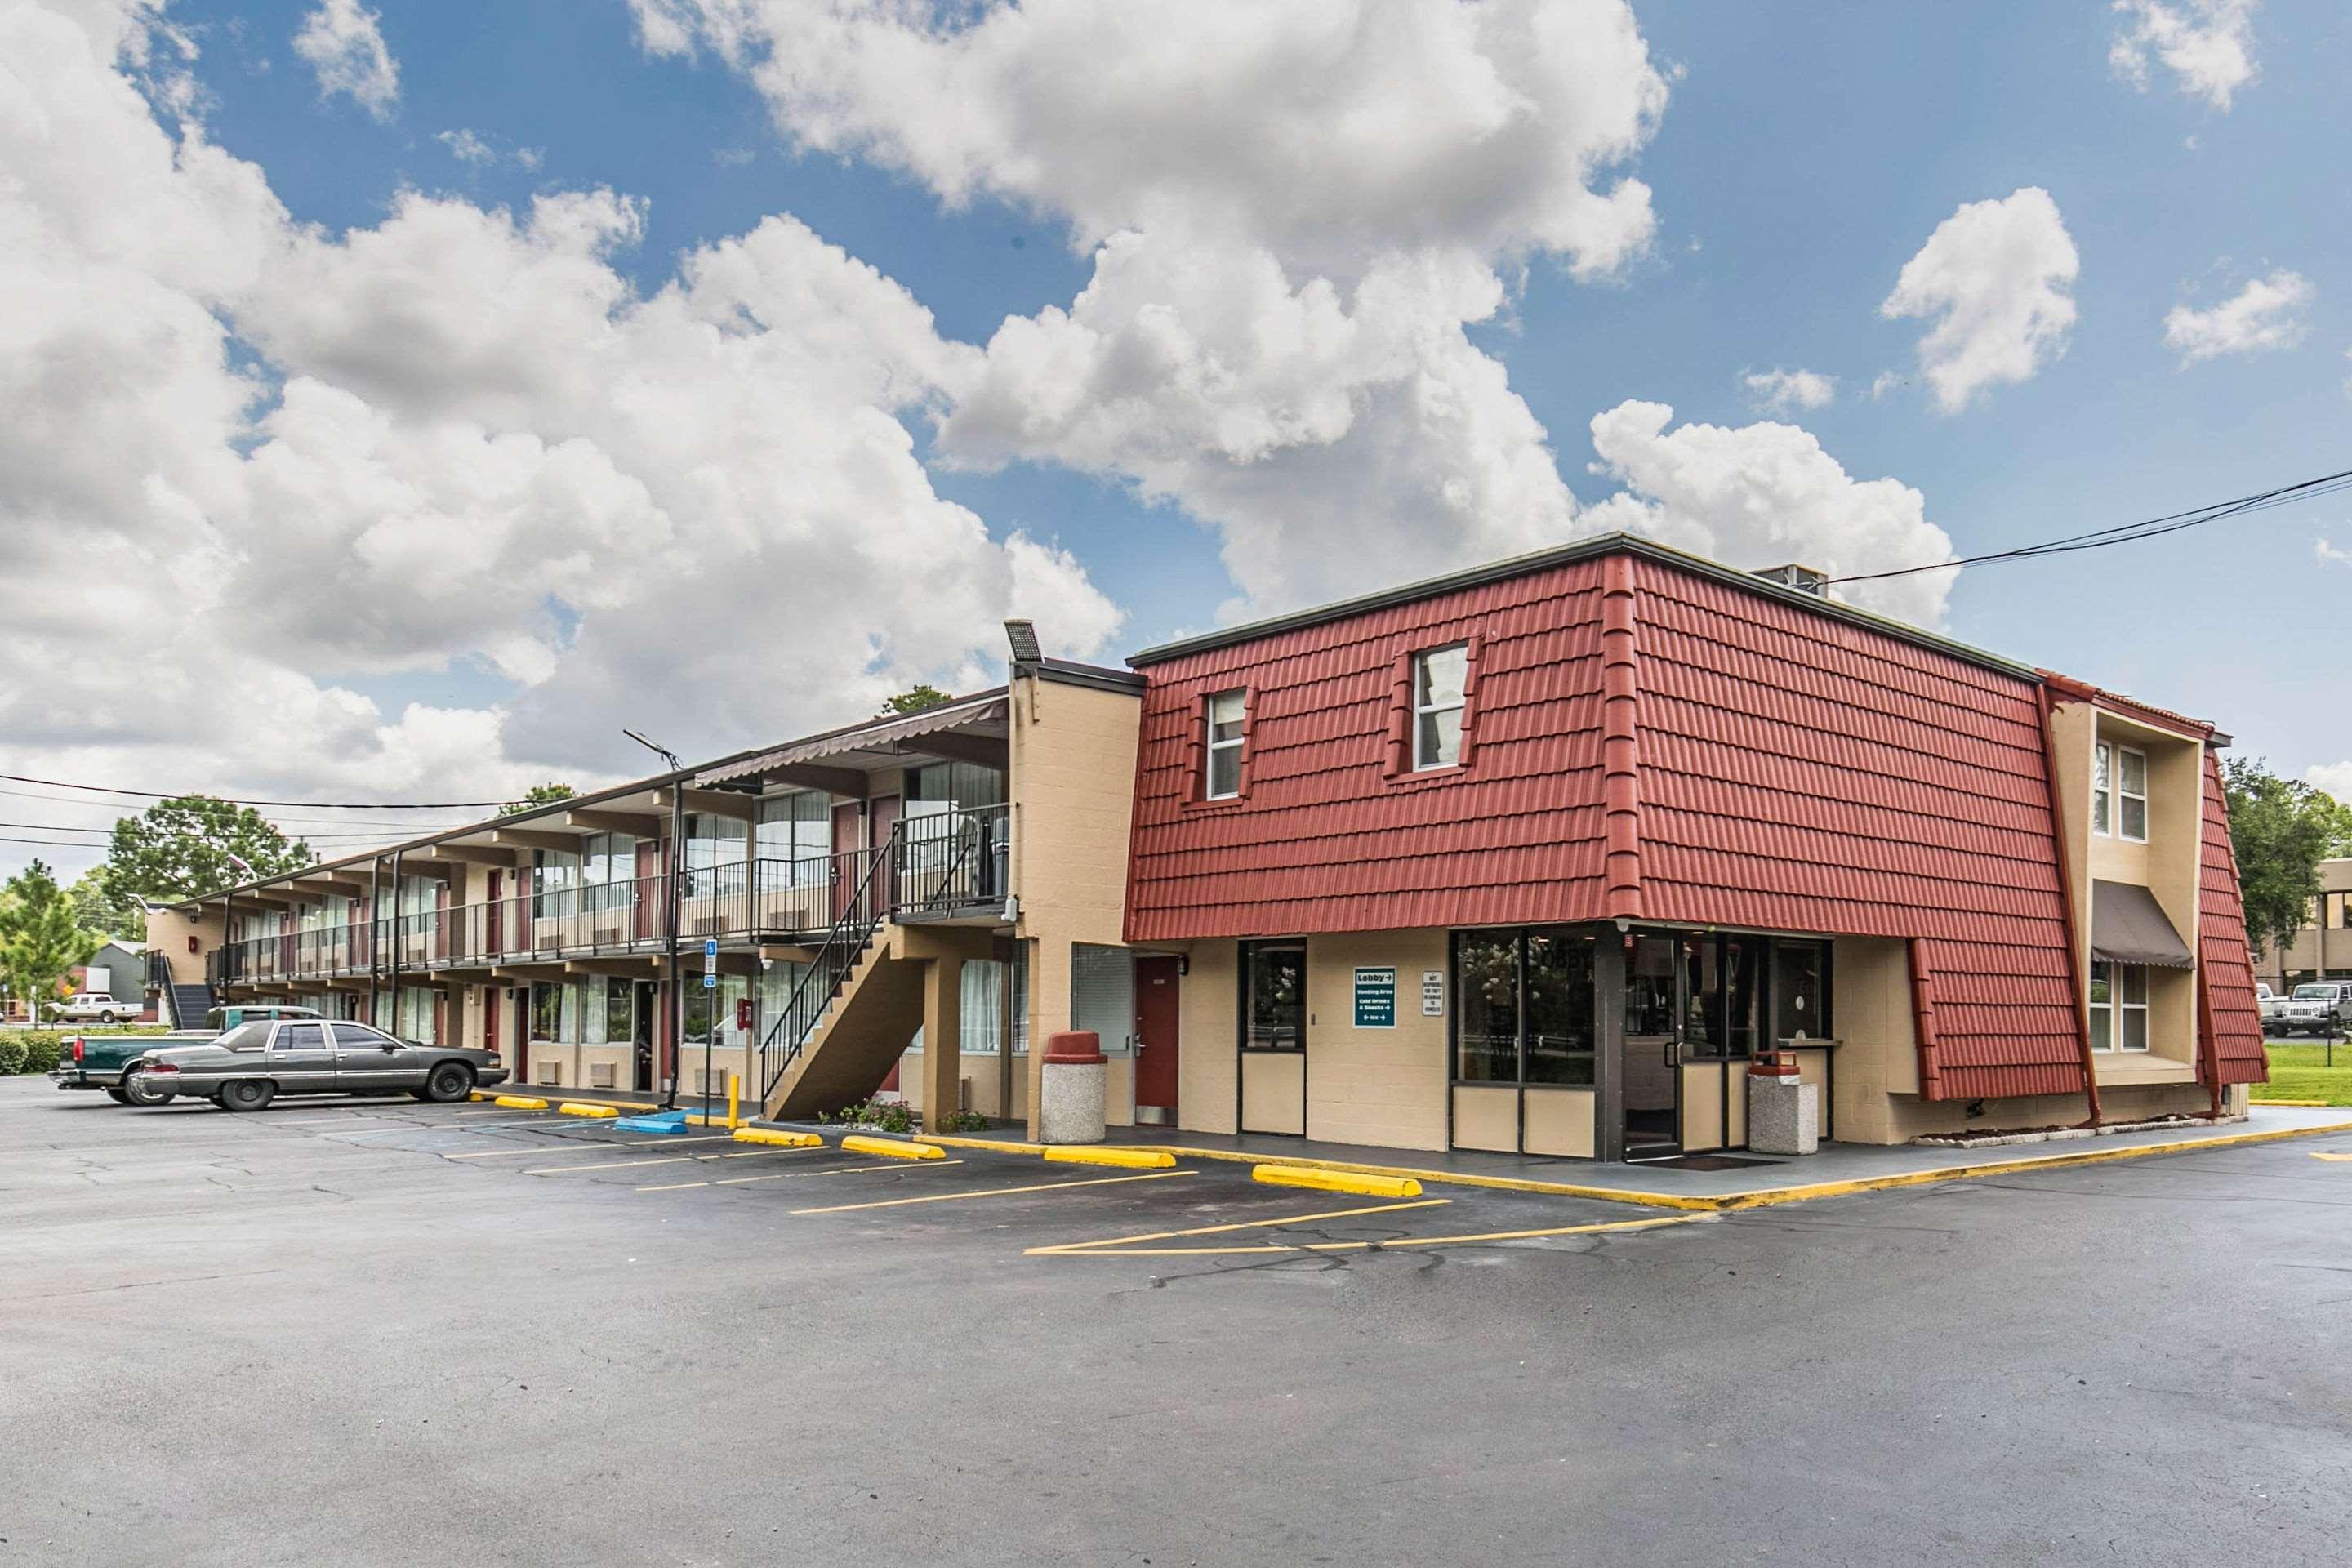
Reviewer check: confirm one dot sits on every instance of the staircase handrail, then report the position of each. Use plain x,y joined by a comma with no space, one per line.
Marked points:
843,941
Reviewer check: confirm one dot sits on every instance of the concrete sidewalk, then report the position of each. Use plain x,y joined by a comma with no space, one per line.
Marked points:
1838,1169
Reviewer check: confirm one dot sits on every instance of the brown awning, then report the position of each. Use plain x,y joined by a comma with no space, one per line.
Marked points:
2128,926
987,707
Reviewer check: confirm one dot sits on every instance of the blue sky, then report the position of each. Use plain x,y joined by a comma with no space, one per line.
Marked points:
1802,157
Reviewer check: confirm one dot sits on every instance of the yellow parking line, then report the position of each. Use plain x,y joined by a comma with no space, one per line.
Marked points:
1243,1225
2319,1157
673,1160
1402,1243
774,1176
591,1142
997,1191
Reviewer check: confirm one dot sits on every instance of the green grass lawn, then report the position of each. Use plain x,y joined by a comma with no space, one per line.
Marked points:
2299,1070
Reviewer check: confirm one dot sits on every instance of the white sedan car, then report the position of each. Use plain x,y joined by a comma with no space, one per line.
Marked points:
95,1007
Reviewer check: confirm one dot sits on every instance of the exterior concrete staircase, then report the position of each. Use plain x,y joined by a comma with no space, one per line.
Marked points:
185,1006
874,1011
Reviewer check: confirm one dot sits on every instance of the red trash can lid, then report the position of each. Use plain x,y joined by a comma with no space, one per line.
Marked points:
1073,1047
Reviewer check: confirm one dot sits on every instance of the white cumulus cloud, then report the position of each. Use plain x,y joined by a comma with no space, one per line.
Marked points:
481,151
344,45
1782,390
1997,279
2335,778
2265,314
1767,494
455,440
2208,45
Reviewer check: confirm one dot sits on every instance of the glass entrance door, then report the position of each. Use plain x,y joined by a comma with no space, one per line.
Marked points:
1650,1069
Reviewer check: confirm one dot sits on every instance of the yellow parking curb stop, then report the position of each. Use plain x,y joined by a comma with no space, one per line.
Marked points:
520,1102
777,1139
1129,1159
583,1107
1336,1180
891,1147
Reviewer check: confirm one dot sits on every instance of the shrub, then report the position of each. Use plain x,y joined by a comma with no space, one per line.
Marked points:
967,1121
40,1053
881,1115
12,1055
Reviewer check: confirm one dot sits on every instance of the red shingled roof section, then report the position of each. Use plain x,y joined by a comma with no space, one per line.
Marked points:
2236,1046
1803,774
1323,840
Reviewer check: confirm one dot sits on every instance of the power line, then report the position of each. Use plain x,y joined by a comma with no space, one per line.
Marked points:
305,837
321,805
2133,533
274,816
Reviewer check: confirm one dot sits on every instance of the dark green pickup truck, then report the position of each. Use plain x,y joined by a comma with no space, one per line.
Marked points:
96,1061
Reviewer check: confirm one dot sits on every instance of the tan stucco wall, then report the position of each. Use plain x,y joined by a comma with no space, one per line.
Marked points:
1486,1118
1208,1014
1072,786
1385,1087
1559,1121
1273,1091
1878,1053
168,932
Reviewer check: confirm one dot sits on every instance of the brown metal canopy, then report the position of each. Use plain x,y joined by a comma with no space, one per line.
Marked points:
2128,926
987,708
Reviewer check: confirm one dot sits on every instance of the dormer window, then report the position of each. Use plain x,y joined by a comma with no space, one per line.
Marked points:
1439,676
2119,793
1228,713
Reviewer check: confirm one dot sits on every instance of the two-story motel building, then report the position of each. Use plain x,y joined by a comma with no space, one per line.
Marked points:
1533,857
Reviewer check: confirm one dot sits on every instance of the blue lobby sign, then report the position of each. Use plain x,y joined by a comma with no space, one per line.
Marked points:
1376,998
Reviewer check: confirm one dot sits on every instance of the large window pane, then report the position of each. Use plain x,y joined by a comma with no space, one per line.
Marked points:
1277,999
1486,1007
1801,990
620,1011
1559,1008
1703,997
1743,966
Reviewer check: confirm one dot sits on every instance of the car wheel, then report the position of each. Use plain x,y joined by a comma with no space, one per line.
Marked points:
248,1094
131,1094
118,1095
450,1080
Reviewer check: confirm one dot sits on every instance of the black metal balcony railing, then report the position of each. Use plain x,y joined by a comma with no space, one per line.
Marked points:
933,863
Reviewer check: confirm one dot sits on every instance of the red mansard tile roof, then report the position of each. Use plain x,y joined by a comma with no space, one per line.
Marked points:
2230,1018
1650,736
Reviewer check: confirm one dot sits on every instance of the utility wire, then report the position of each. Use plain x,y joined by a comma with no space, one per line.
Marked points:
338,821
2133,533
305,837
321,805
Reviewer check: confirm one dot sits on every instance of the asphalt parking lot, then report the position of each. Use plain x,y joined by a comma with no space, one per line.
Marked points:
383,1332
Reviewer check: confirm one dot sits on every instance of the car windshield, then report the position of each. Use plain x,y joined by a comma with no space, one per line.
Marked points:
244,1037
2313,993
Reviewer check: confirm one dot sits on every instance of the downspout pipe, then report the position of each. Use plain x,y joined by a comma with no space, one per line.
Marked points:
374,931
2077,954
393,983
676,894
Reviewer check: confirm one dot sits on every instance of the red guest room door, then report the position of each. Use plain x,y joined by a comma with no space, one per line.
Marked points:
1155,1041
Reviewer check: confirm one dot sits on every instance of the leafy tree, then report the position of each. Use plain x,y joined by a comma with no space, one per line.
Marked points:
915,702
181,848
536,795
98,909
39,939
2281,830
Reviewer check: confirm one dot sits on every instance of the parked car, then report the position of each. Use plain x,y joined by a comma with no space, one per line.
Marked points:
221,1020
254,1063
2272,1005
96,1061
93,1007
2317,1008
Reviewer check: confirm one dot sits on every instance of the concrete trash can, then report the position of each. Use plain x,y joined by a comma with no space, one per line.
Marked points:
1070,1104
1784,1113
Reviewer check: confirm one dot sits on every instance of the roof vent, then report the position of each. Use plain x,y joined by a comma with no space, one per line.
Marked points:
1804,579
